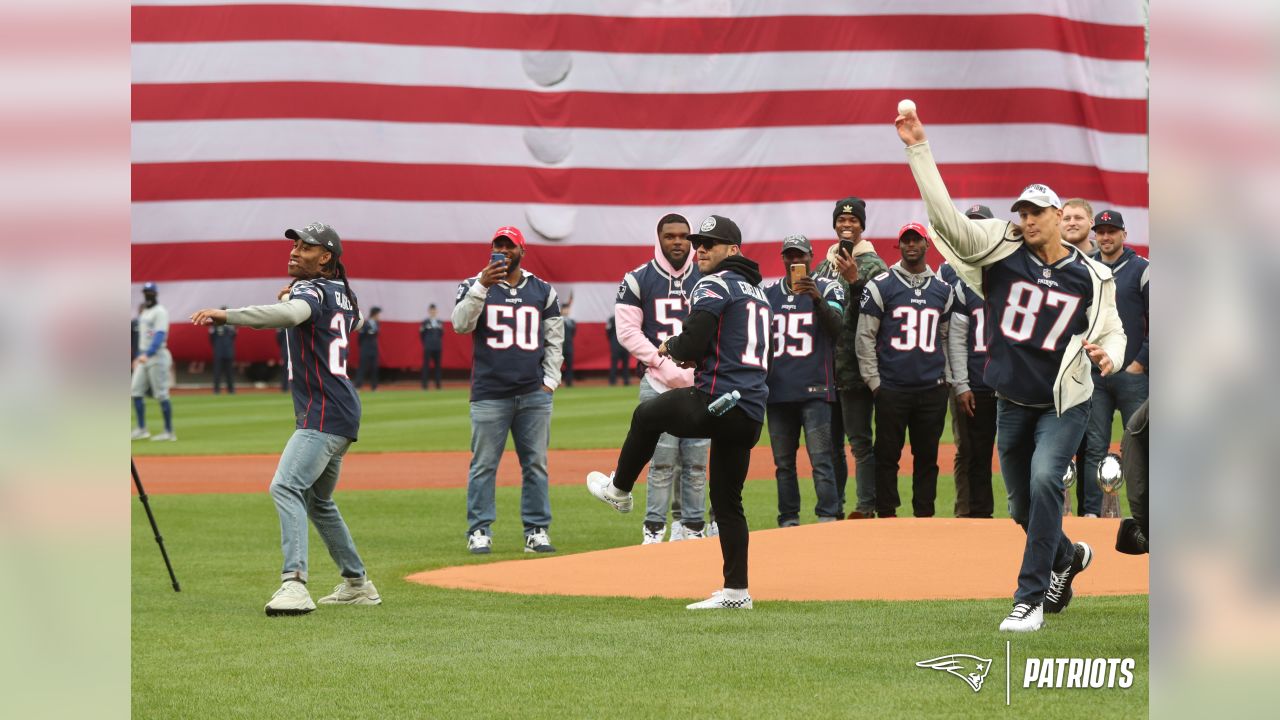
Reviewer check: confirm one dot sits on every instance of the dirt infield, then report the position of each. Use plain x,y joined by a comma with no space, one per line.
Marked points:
895,559
186,474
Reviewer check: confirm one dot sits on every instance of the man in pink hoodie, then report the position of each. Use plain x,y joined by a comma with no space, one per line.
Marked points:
653,301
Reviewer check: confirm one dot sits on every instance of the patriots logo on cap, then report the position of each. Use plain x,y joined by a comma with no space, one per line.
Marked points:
709,224
847,209
969,668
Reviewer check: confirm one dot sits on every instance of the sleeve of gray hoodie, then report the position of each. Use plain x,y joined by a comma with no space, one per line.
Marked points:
865,344
468,306
958,354
553,348
290,313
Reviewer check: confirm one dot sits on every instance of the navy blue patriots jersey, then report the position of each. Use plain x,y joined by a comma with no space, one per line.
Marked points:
663,298
803,366
323,397
948,274
1033,310
909,351
739,359
975,309
508,343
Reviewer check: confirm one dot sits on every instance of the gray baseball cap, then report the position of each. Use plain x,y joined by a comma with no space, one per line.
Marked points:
318,233
797,242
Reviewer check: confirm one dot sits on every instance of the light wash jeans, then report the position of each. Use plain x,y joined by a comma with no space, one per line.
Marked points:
528,419
682,462
1035,446
303,488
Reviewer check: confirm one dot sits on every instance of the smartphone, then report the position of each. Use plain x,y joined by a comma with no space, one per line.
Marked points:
847,247
798,271
497,257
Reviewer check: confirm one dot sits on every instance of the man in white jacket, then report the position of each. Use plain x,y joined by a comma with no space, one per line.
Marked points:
1052,313
653,301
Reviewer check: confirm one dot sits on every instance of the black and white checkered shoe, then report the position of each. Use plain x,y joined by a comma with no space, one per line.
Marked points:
719,601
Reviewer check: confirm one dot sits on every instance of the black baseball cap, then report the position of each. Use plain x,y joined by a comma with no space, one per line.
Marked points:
148,287
718,230
979,212
1109,217
796,242
317,233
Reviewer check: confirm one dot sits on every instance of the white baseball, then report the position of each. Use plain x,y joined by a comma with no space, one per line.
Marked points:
906,107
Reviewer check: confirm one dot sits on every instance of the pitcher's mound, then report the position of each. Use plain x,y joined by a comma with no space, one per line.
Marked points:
891,559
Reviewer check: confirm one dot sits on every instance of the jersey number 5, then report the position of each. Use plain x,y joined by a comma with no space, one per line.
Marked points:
662,310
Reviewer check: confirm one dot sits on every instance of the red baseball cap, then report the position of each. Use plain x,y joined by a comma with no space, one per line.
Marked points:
915,227
512,233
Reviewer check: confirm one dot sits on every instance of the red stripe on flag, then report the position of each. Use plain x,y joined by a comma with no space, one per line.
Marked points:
486,106
591,33
591,186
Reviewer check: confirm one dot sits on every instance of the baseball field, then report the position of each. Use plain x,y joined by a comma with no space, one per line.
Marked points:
433,651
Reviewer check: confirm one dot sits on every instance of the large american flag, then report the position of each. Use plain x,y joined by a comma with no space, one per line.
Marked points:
417,127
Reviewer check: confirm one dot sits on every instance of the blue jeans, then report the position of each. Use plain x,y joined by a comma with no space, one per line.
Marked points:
528,419
303,488
785,422
1123,391
682,462
1035,446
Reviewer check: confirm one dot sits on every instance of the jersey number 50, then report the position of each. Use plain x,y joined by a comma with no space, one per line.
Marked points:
523,335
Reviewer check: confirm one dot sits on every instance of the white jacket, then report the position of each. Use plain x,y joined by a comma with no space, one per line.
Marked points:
969,245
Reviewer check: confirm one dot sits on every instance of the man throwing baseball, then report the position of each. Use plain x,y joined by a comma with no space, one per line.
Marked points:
319,312
1052,312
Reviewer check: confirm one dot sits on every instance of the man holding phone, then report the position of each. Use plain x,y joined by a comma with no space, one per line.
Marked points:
517,337
852,261
807,315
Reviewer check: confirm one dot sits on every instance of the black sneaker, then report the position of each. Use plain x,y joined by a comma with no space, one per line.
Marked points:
1058,596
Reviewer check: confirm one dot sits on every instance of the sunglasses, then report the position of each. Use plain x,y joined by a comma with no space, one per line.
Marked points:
701,243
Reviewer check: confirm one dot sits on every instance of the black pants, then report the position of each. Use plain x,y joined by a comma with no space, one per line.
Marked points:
430,359
618,363
980,441
923,413
368,369
1134,465
683,412
567,376
224,371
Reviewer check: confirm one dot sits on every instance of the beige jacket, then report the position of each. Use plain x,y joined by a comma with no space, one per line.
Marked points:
969,245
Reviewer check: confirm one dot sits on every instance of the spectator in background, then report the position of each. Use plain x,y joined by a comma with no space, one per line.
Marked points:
152,366
1077,221
852,413
619,358
133,333
972,378
570,328
902,336
223,340
431,331
282,340
808,314
1128,389
369,350
516,368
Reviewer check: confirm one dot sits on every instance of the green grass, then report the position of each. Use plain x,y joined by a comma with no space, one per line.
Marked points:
209,651
398,420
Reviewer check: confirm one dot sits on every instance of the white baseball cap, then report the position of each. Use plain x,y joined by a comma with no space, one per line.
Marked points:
1038,195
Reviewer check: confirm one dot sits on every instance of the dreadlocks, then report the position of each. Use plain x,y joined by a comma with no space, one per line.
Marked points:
342,275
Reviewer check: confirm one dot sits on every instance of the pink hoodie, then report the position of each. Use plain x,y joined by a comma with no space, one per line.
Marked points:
662,372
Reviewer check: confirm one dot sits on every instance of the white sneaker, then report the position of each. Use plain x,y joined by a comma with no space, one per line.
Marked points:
165,436
691,534
291,599
1024,618
713,529
652,536
677,531
479,543
719,601
538,542
139,434
601,486
348,593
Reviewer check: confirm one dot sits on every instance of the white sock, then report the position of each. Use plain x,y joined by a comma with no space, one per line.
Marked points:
735,594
